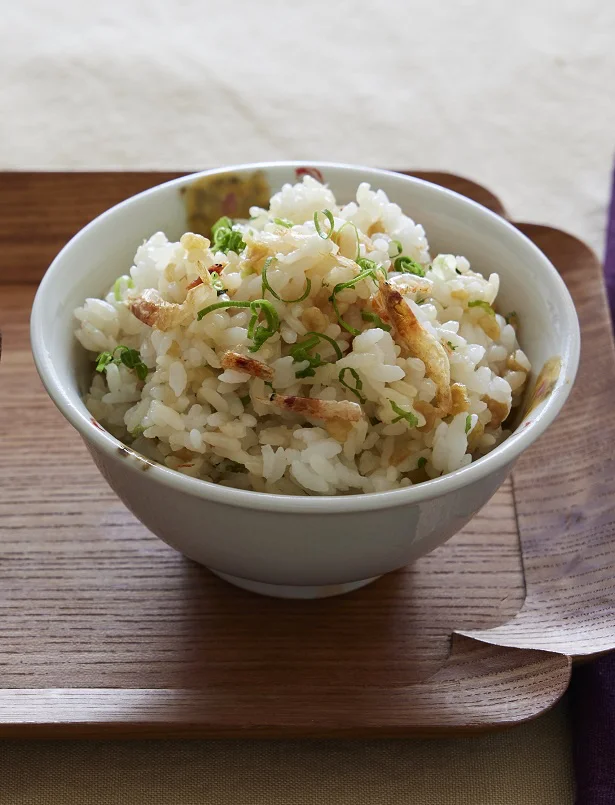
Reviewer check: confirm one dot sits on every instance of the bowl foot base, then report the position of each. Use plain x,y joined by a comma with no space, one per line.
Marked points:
294,591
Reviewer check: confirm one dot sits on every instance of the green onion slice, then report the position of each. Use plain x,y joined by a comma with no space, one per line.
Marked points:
131,358
221,223
311,342
357,254
259,334
421,463
482,304
358,383
410,418
374,318
217,283
301,352
406,265
283,222
369,272
265,286
468,423
103,360
398,247
370,265
329,216
117,286
225,238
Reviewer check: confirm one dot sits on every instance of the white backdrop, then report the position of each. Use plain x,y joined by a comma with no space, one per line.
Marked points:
517,95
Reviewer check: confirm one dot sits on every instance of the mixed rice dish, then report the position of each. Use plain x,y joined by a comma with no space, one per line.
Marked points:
313,349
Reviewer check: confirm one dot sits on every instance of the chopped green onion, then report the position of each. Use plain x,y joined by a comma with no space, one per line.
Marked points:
358,383
235,243
421,463
221,223
328,338
103,360
409,266
245,400
219,306
225,238
451,345
265,286
410,418
369,272
367,315
138,431
283,222
482,304
300,353
307,372
217,284
258,334
365,264
398,246
421,301
131,358
468,423
261,333
299,346
329,216
339,232
117,286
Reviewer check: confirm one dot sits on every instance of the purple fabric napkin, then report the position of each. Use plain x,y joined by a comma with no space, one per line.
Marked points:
592,691
609,262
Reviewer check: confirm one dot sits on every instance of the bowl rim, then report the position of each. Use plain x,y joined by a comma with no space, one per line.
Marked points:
501,458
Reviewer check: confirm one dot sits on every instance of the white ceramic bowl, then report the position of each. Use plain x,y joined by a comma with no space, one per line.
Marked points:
303,546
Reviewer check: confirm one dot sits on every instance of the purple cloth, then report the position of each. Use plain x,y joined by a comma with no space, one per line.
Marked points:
592,696
592,692
609,261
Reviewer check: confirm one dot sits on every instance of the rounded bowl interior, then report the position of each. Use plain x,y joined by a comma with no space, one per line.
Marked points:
104,249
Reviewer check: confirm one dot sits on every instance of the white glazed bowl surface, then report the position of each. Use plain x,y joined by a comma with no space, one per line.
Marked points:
303,546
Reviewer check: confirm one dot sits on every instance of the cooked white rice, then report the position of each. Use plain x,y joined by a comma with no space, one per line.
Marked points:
219,425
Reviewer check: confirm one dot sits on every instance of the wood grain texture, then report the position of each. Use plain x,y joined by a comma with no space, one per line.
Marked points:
104,630
40,212
91,598
565,486
475,688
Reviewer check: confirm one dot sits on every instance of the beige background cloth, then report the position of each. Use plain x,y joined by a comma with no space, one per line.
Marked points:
516,96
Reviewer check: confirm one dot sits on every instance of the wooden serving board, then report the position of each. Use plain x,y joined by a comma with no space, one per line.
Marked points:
106,631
